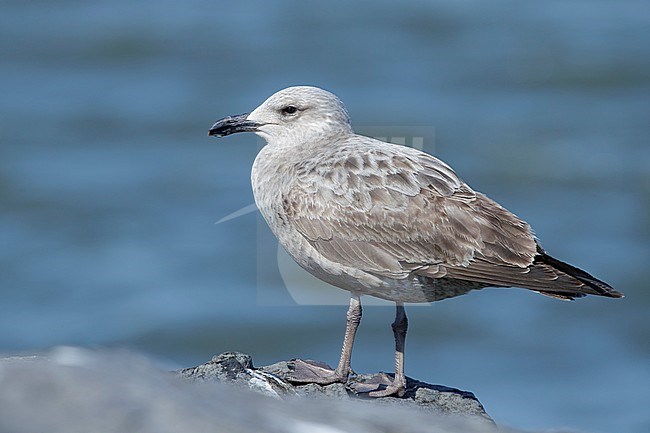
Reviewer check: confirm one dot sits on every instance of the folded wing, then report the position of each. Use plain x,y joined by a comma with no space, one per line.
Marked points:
395,214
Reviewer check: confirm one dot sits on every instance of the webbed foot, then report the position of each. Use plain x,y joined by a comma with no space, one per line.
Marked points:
380,385
314,372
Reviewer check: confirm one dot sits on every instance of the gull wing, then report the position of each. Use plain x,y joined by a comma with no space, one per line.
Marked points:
394,211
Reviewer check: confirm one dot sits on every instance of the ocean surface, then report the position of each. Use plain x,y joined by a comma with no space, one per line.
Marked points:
116,209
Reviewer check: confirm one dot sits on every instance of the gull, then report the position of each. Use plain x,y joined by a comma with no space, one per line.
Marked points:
385,220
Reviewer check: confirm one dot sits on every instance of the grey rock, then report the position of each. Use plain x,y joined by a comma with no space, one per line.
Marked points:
275,380
237,368
73,390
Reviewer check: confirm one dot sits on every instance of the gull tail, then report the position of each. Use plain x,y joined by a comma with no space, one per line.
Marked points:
588,284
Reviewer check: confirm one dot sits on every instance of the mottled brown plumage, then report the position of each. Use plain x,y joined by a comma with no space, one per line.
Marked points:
418,219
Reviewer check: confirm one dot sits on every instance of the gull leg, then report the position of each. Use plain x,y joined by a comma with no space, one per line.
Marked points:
315,372
353,318
398,384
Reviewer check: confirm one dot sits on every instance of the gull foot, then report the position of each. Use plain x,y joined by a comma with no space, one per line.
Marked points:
314,372
393,389
379,385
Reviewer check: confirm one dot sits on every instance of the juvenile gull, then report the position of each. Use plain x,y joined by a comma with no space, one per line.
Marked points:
385,220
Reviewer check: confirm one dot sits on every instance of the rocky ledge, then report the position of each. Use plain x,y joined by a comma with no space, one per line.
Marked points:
76,390
274,380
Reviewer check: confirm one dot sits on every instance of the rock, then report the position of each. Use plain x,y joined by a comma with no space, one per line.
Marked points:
75,390
274,380
237,368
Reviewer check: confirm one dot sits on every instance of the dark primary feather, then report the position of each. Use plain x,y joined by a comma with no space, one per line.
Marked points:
601,287
396,213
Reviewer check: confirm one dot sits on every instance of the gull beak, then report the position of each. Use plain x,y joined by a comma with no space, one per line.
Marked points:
233,124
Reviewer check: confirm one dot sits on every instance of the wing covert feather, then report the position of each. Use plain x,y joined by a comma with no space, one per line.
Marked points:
389,213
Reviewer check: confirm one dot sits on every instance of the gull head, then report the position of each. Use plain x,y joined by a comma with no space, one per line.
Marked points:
292,115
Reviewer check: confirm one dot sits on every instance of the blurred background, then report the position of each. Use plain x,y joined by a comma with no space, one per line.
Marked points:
110,187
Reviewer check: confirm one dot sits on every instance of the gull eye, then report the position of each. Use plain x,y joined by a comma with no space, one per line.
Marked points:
289,109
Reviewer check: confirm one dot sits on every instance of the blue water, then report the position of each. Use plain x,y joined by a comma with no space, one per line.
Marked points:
110,188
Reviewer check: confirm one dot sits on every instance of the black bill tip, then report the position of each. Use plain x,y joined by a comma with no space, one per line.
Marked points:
233,124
